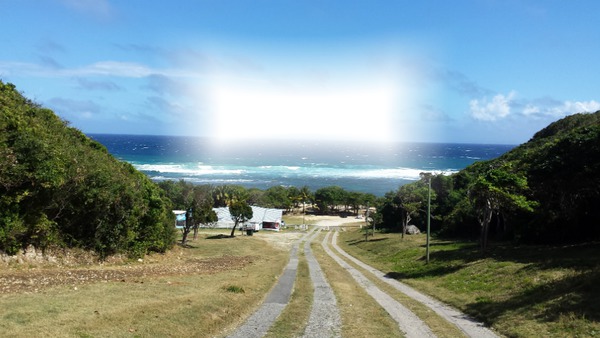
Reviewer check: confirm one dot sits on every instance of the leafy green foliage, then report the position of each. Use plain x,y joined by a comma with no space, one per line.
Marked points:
58,187
240,212
544,191
197,201
328,198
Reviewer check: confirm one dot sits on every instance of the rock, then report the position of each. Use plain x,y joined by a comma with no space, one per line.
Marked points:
412,230
30,253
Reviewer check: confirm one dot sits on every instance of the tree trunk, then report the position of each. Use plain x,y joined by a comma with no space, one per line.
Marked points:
233,230
186,228
184,237
405,220
484,221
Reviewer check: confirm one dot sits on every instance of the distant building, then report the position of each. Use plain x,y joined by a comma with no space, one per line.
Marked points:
179,218
262,218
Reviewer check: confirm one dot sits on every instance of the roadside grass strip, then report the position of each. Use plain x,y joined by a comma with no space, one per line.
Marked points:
360,315
260,321
408,322
324,318
467,325
292,321
444,320
438,325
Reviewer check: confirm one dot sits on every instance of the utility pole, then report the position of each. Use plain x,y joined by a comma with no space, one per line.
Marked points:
428,217
428,177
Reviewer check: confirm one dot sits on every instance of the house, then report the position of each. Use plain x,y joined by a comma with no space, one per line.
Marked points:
262,218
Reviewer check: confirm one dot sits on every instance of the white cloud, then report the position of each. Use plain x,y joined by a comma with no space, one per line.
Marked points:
101,9
570,107
102,68
530,110
550,108
497,108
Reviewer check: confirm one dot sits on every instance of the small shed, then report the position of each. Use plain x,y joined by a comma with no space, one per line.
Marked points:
179,218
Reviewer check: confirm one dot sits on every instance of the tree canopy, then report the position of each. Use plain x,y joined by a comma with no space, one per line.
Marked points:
543,191
59,187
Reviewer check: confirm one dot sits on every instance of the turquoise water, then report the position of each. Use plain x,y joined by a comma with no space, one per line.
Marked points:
372,168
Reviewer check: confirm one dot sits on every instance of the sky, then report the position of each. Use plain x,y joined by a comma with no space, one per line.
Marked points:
464,71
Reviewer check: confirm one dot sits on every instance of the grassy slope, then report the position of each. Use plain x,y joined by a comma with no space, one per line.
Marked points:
189,305
519,291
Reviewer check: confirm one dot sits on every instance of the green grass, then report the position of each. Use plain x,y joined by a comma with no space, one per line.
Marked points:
520,291
360,314
177,305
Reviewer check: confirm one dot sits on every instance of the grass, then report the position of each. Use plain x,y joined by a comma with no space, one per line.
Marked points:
439,326
521,291
181,305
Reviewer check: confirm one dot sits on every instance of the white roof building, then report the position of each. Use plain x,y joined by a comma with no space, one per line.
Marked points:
260,216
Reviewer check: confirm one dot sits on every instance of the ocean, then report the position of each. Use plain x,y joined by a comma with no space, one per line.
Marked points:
362,167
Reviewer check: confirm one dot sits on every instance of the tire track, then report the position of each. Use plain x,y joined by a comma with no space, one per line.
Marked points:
467,325
262,319
324,320
407,321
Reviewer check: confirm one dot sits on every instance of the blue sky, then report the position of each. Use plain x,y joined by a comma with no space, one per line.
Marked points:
478,71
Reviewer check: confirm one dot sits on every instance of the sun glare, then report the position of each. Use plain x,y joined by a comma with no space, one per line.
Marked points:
343,113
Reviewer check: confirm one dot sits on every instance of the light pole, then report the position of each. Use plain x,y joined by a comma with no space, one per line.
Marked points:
428,218
428,177
304,214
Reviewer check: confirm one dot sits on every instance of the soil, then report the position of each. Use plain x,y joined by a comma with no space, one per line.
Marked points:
36,279
34,272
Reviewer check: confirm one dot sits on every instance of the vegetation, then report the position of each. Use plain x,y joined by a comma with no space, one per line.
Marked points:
204,289
60,188
551,292
196,200
544,191
240,212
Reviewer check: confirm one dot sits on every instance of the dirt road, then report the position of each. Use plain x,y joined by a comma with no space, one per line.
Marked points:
324,319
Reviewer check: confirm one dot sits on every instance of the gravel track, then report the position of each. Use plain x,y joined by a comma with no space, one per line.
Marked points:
260,321
467,325
407,321
324,320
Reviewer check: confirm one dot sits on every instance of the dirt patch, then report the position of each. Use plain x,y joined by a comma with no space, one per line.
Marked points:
38,279
283,239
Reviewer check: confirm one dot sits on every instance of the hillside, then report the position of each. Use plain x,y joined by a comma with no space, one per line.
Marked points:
543,191
561,164
60,188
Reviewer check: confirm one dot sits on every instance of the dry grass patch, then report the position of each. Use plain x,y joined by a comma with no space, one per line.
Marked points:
361,315
180,303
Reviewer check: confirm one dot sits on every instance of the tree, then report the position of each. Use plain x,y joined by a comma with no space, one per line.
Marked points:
240,213
304,196
412,201
59,187
496,190
202,203
407,203
328,198
277,197
355,200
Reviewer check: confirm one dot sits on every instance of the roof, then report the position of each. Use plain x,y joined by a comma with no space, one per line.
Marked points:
259,215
